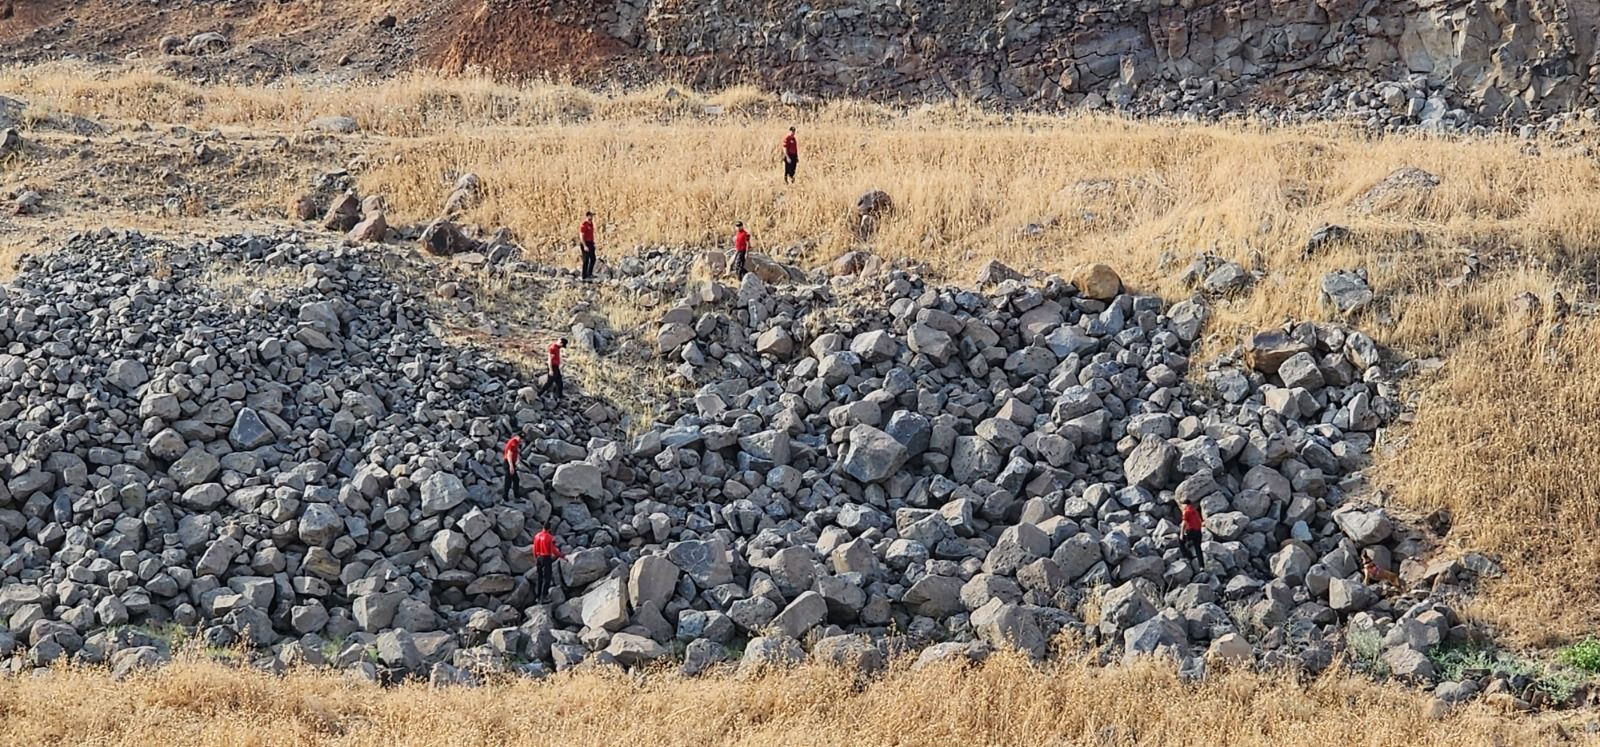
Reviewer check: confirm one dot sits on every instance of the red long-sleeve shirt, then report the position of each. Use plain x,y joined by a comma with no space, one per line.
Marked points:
555,355
513,451
587,231
791,147
544,545
741,241
1191,518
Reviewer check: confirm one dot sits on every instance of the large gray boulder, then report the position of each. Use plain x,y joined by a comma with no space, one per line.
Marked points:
770,652
872,455
652,578
249,432
806,612
1003,625
1362,525
442,491
1152,463
704,561
579,480
634,650
935,596
606,606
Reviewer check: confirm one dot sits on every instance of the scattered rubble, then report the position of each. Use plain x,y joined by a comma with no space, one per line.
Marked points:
856,469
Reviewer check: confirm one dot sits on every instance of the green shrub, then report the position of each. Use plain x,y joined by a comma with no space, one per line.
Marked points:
1367,647
1560,684
1452,662
1583,656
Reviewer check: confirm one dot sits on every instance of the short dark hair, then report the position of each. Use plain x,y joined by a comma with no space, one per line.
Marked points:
589,213
791,128
738,224
563,341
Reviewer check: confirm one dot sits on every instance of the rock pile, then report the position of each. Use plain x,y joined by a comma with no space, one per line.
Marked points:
971,465
864,467
313,468
335,204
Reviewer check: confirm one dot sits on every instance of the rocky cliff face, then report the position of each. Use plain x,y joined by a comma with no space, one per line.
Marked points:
1439,62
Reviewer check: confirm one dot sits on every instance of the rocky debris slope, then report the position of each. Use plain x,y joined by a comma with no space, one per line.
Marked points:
1434,64
866,465
1447,64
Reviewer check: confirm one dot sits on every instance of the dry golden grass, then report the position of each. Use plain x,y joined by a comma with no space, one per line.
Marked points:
1140,195
1003,702
1506,442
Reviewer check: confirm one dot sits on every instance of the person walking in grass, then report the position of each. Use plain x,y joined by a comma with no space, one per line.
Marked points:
545,555
553,381
512,454
586,235
1189,537
791,156
741,247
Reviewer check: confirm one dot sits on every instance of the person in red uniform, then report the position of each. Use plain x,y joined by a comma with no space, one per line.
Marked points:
545,554
586,233
741,246
791,156
1189,541
554,379
513,454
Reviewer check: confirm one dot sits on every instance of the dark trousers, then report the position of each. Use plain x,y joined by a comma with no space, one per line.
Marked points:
588,260
1189,544
511,487
553,381
789,162
738,265
546,578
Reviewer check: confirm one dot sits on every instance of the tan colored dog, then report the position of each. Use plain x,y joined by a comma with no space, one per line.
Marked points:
1371,571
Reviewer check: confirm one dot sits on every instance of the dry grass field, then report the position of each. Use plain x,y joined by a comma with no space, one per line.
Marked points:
1502,435
1004,702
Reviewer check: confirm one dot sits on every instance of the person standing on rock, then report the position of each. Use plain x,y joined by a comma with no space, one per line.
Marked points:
1189,539
512,454
741,246
586,234
545,555
791,156
554,379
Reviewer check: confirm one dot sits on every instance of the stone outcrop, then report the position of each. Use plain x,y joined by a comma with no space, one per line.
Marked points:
1439,63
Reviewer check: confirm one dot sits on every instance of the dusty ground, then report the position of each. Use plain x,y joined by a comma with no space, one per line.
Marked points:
330,39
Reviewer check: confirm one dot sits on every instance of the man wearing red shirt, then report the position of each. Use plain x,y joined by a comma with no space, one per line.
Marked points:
586,233
741,245
545,554
554,379
791,156
512,454
1189,542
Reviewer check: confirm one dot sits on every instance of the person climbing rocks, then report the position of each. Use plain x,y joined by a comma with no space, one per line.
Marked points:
586,234
512,454
1189,540
791,156
554,379
741,247
545,555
